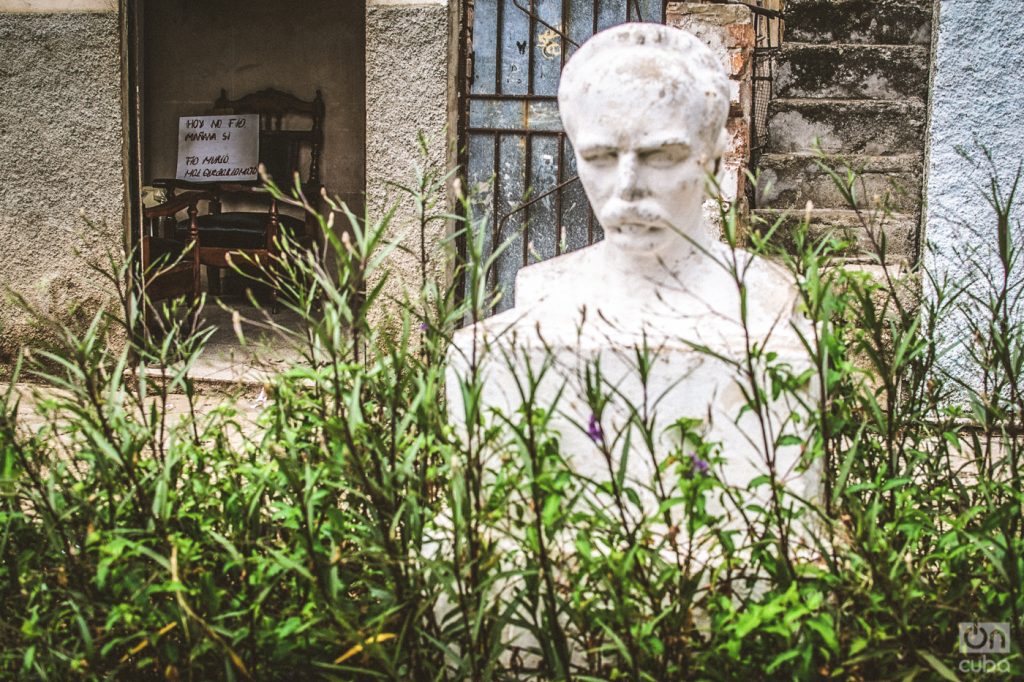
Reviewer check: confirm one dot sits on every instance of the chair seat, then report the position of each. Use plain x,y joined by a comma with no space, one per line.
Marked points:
237,229
166,250
169,272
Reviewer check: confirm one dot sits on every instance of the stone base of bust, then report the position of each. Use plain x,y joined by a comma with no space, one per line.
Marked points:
565,335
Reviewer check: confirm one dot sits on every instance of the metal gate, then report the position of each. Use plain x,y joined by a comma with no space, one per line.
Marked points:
768,26
514,151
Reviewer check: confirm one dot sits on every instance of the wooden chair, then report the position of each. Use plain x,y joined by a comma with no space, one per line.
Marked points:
246,238
169,268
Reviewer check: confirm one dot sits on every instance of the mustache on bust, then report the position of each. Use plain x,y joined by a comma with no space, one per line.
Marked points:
617,212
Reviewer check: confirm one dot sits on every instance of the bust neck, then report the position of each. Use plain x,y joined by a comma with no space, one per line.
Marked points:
656,267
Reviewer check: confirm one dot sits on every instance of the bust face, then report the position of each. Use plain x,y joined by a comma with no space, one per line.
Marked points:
643,149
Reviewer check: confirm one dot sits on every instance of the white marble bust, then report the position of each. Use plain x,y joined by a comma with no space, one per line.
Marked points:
645,107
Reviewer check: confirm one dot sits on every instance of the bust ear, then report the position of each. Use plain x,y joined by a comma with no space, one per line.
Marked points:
722,143
718,151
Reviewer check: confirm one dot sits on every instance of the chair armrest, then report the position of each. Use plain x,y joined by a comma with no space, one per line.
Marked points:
310,190
172,184
177,203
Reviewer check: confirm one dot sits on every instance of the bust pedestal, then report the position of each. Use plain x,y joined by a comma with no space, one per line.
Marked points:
585,315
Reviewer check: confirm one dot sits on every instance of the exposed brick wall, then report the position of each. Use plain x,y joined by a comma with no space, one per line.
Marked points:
729,31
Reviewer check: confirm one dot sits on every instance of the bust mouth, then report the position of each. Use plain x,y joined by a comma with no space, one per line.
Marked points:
635,228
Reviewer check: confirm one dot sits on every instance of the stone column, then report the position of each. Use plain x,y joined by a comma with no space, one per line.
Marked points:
61,136
729,31
407,93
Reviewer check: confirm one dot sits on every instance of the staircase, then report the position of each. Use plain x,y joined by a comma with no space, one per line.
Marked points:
852,74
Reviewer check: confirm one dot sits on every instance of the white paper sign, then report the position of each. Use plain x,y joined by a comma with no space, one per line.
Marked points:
218,148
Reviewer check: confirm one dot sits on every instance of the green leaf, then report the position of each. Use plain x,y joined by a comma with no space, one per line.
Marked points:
825,631
552,509
782,658
287,562
938,666
895,483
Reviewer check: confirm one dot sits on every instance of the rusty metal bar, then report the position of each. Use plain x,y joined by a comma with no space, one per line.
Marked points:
504,97
499,37
559,231
537,198
495,191
534,17
513,131
528,176
756,9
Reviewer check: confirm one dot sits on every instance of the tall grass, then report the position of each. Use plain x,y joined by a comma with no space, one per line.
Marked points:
359,531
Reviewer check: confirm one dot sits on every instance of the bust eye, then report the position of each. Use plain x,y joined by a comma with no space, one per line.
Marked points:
659,159
665,157
601,156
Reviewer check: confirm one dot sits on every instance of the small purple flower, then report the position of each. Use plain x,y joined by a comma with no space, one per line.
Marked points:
700,466
594,430
423,326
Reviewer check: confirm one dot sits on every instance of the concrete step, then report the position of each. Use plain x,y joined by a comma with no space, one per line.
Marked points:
873,22
852,71
866,127
791,180
860,229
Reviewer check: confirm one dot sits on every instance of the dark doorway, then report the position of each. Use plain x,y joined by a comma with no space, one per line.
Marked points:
183,53
194,48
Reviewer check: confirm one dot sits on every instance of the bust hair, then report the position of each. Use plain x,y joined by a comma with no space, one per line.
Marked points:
683,61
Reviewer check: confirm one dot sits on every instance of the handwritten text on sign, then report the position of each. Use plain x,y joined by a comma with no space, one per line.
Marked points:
218,148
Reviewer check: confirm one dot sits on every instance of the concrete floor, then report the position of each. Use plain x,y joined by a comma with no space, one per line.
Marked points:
247,401
226,370
265,351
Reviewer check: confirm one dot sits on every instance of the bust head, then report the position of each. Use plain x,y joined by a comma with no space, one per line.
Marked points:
645,107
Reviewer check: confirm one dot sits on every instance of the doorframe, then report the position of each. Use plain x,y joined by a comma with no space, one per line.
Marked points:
130,15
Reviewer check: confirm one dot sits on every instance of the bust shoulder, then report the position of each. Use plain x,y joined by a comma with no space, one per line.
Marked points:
538,281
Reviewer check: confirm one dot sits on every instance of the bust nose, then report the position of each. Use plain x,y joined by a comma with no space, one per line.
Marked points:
627,186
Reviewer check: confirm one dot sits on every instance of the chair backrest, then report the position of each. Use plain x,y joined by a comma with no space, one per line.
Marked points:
281,148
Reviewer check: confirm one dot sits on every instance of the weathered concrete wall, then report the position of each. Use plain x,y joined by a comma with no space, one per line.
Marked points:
57,5
407,78
61,136
977,95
